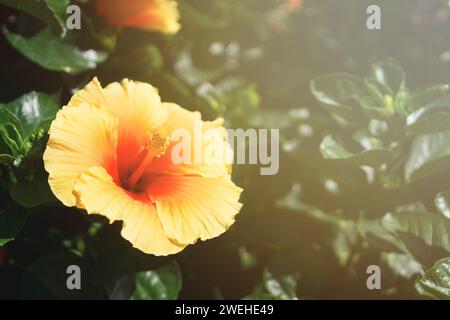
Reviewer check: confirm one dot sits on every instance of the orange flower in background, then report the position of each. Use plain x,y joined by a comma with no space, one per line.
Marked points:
292,5
109,152
277,17
153,15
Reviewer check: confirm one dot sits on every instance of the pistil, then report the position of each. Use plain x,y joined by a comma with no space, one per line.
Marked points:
155,148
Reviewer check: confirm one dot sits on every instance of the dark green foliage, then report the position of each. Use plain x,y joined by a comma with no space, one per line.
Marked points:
364,179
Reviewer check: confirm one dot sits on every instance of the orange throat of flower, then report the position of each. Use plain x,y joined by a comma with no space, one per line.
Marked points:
155,148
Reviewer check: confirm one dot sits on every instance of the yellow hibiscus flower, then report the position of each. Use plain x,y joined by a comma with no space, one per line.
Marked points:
109,152
153,15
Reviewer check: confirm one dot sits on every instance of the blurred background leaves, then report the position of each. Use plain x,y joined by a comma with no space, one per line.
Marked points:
364,162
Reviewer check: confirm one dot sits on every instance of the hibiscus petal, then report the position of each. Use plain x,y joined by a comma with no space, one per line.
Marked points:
99,194
140,112
136,104
80,138
91,94
193,207
138,107
179,118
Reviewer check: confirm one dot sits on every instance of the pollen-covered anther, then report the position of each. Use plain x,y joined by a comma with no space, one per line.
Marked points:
158,144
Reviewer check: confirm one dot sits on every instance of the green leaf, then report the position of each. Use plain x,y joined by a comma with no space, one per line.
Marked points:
6,159
341,92
52,12
11,136
421,235
7,117
442,202
59,10
437,279
339,89
433,229
11,222
374,232
160,284
331,149
390,76
33,110
375,90
52,53
435,122
343,240
291,201
402,264
401,102
424,97
283,288
373,109
32,193
429,156
424,291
